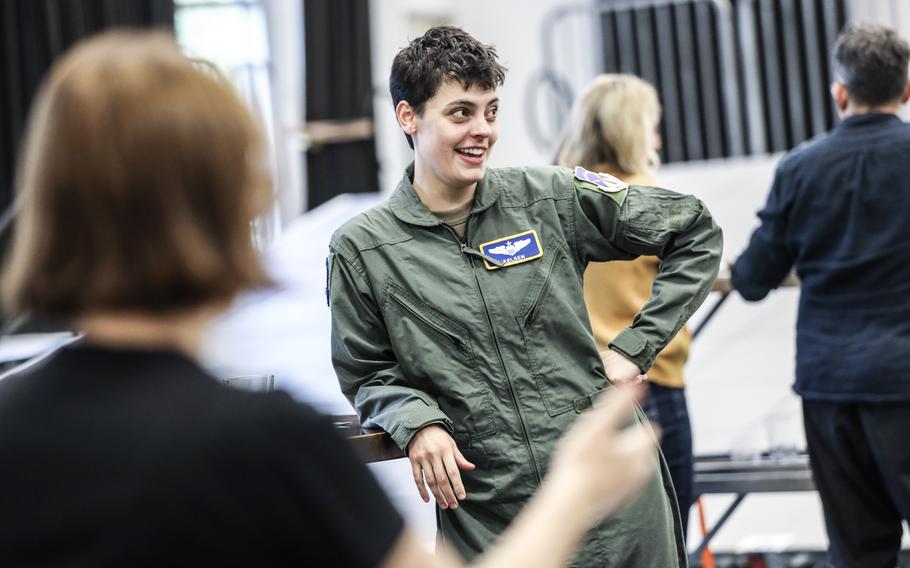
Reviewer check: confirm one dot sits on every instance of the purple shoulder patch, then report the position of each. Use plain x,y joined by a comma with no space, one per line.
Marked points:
605,182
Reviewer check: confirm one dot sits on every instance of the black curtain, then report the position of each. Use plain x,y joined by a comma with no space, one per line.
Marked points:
338,87
32,34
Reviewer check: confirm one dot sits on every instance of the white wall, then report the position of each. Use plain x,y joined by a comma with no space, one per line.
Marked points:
895,13
285,22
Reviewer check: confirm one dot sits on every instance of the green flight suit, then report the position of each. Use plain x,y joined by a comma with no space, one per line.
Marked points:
425,331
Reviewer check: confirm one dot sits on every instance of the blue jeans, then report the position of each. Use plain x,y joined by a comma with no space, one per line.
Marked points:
667,408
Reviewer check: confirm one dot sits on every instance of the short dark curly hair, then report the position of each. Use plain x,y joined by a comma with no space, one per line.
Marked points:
871,60
442,53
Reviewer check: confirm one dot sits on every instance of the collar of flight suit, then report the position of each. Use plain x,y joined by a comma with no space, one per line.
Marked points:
407,206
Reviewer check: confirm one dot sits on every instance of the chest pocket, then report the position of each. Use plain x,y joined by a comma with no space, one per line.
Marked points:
563,361
436,356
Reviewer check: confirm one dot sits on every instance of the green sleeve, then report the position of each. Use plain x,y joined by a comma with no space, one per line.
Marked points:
638,220
366,365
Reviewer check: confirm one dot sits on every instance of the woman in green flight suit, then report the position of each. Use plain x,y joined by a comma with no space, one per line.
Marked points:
459,323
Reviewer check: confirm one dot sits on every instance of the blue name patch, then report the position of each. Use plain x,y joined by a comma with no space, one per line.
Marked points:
513,249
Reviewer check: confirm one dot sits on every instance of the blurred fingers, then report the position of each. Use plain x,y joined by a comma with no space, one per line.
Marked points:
614,407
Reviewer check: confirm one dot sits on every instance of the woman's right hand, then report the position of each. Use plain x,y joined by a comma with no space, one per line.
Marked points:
436,461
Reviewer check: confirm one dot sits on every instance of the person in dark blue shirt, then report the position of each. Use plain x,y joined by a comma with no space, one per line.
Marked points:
838,213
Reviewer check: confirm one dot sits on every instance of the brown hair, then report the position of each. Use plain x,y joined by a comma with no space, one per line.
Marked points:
137,185
443,53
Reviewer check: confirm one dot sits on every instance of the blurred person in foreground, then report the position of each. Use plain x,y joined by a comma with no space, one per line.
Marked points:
613,129
459,323
137,188
837,213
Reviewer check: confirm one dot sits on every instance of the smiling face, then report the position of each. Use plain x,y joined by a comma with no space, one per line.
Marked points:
453,137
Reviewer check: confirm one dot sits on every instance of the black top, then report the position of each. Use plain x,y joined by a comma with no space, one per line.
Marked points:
839,212
129,458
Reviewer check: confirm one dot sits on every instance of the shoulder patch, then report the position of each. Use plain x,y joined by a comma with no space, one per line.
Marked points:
599,181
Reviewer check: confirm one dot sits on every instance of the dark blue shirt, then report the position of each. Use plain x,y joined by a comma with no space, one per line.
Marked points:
839,213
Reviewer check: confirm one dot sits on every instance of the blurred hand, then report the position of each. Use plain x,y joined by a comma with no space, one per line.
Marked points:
609,464
619,370
435,463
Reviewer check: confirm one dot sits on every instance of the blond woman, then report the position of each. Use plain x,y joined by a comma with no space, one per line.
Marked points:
614,129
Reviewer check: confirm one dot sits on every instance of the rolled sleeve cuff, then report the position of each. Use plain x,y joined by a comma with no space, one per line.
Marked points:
749,290
415,422
634,347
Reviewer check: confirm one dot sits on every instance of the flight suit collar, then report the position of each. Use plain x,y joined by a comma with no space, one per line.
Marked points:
407,206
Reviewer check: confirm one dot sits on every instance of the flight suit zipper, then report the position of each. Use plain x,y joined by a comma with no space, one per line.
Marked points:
468,251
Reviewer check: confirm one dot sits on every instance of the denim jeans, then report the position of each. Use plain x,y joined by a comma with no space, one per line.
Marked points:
667,408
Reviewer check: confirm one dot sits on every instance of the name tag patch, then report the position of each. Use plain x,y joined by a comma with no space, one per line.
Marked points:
513,249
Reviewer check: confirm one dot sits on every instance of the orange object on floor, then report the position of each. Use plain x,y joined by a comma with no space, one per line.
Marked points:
707,558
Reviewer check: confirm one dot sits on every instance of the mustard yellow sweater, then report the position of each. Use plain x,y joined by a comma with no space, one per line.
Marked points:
616,291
